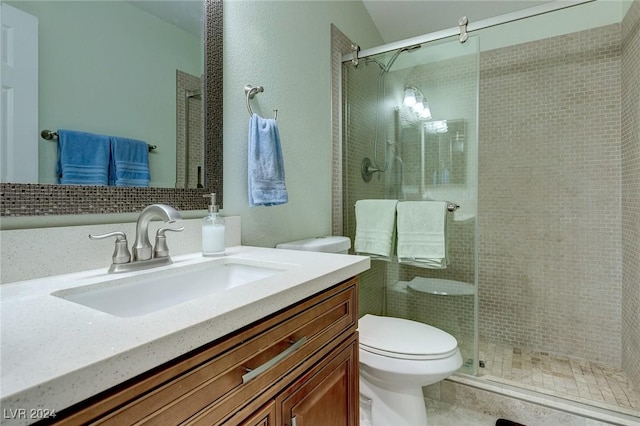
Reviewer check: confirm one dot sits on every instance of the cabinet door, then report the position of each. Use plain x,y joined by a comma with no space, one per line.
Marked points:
266,416
327,394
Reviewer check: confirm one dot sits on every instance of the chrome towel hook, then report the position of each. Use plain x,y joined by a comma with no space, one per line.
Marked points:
251,91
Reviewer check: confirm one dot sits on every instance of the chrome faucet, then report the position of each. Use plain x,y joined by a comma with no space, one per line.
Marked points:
142,249
144,256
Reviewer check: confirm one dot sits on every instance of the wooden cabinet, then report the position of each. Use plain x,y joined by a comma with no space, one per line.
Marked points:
327,397
263,417
296,367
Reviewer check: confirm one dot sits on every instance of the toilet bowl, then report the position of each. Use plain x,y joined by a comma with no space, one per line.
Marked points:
397,358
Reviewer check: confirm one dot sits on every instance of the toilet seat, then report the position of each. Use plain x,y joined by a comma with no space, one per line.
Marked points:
404,339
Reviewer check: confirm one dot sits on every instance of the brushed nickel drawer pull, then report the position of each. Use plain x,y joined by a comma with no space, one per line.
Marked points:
252,374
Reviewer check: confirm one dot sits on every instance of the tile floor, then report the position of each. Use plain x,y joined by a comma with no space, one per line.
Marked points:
577,380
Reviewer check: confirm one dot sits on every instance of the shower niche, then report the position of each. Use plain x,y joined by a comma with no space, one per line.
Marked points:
435,151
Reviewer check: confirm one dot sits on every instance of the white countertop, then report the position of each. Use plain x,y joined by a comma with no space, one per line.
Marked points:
56,353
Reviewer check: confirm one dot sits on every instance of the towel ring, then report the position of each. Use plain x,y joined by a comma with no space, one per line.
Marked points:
251,91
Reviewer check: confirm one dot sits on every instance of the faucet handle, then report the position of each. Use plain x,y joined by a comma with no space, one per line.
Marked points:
160,248
121,253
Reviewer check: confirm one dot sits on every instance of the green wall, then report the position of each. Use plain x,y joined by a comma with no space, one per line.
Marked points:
285,46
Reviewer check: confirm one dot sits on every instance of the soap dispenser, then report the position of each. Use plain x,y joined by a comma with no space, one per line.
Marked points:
213,230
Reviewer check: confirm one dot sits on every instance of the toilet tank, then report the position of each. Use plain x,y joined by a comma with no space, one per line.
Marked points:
329,244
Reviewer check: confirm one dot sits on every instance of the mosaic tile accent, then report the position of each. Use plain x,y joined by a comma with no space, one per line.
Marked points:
43,200
213,152
566,377
631,193
549,218
40,199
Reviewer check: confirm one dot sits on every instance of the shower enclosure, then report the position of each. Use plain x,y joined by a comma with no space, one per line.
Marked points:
536,142
410,133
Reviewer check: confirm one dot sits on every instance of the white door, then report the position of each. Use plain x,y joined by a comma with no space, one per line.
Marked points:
19,107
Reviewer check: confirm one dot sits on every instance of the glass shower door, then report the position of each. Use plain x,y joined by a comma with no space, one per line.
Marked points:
410,133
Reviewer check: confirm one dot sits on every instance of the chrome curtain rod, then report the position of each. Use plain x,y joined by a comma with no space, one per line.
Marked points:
51,135
471,26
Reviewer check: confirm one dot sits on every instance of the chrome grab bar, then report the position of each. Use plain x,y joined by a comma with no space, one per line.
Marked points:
253,373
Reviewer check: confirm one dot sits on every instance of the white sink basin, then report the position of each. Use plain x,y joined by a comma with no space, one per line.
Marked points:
149,292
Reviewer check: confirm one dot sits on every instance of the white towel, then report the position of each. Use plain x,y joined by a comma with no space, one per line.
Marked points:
422,234
375,228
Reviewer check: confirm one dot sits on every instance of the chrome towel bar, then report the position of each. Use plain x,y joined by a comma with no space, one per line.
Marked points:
51,135
451,206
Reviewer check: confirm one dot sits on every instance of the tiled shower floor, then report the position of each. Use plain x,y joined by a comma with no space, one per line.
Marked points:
573,379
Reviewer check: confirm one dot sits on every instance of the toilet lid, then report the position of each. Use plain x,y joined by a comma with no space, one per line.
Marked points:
405,339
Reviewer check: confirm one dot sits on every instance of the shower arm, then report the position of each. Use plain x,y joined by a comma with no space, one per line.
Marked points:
383,70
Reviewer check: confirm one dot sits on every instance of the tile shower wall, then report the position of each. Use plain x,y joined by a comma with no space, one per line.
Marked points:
631,193
359,126
550,244
340,44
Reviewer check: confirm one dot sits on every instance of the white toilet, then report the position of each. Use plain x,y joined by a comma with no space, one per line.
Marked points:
397,357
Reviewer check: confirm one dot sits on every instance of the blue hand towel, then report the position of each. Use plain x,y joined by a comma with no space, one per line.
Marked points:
129,162
83,158
266,166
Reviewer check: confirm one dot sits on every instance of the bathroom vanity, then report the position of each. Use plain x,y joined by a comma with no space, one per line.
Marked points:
278,351
300,361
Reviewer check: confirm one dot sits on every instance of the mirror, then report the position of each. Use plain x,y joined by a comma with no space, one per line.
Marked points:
51,199
436,148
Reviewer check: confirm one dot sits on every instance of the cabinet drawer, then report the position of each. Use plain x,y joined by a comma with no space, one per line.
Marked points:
229,380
